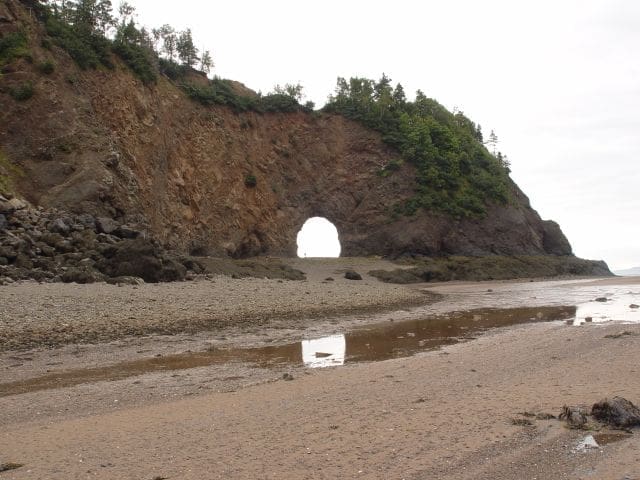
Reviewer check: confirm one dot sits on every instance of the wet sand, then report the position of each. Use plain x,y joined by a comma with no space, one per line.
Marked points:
444,413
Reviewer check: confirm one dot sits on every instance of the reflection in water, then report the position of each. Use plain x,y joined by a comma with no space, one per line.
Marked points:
616,308
324,352
371,343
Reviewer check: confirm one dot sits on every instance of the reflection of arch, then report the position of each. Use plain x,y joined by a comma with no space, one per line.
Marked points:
324,352
318,237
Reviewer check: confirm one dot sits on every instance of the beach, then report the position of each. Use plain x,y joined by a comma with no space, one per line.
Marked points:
206,379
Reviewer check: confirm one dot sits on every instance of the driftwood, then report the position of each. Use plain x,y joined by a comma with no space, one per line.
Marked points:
617,412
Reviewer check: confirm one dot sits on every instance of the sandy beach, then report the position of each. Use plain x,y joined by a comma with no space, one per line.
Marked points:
210,379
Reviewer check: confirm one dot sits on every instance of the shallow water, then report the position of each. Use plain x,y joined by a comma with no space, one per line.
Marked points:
371,343
618,308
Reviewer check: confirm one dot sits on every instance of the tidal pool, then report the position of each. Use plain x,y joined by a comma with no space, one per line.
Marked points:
370,343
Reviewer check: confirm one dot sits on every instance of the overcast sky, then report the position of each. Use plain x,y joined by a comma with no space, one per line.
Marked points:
558,81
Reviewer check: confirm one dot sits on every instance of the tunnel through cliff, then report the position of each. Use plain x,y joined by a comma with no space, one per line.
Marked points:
318,237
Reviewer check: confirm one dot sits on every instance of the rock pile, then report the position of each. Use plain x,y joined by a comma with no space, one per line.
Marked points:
56,246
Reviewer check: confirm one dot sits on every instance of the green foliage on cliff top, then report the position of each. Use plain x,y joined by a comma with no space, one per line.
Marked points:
221,92
455,172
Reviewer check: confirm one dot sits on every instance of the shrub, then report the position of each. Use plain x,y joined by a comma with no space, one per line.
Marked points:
47,67
22,92
138,59
250,180
279,102
172,69
13,46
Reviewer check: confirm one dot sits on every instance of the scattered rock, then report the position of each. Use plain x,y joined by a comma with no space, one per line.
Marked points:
59,226
575,417
52,245
588,319
328,279
352,275
625,333
617,412
124,281
287,376
544,416
323,354
5,467
633,305
602,299
106,225
523,422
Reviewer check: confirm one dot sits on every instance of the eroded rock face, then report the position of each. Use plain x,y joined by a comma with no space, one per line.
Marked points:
108,146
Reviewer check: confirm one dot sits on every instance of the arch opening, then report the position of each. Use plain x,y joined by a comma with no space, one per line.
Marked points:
318,237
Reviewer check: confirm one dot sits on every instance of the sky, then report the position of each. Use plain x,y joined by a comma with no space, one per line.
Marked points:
558,81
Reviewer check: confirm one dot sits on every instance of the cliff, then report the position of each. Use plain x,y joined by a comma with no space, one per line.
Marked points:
101,142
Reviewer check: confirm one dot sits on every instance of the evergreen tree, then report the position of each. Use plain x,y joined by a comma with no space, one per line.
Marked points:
493,142
187,52
169,41
206,62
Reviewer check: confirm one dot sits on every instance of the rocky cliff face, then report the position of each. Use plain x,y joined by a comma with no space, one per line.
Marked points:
100,142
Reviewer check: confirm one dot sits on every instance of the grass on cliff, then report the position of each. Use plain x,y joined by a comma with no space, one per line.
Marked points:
456,174
491,268
8,172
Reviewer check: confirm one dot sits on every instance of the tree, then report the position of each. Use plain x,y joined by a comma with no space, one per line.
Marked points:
103,15
156,36
290,90
206,62
493,142
504,162
169,40
126,12
399,97
187,52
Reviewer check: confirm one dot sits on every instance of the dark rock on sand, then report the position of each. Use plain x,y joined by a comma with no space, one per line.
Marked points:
352,275
617,412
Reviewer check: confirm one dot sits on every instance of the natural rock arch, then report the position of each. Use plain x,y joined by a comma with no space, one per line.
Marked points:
318,238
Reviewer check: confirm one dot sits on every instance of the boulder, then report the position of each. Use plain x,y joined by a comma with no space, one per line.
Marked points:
106,225
139,258
126,231
3,223
59,226
352,275
617,412
11,206
8,252
172,270
87,220
82,275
